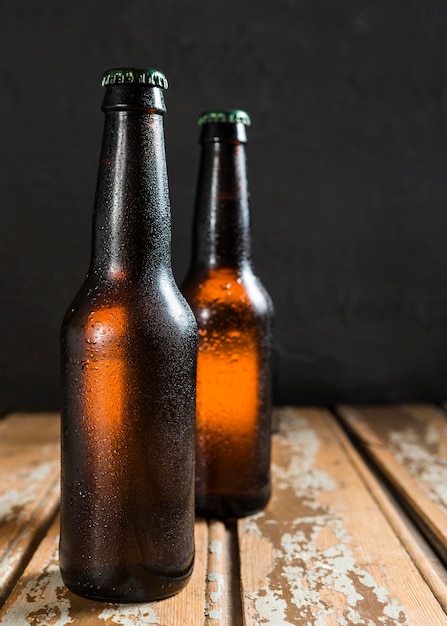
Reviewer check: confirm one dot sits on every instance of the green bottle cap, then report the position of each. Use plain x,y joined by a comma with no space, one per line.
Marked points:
145,76
233,116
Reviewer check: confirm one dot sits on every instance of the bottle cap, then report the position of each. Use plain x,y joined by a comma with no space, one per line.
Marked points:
145,76
233,116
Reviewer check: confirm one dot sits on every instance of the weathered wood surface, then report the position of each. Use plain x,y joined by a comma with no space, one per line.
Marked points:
29,489
222,606
331,548
431,568
323,552
41,597
408,443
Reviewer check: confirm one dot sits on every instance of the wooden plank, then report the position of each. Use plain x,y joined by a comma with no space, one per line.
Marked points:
323,552
409,445
223,605
430,567
40,597
29,489
218,585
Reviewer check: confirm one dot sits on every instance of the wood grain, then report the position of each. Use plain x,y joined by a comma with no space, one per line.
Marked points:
427,562
29,489
408,443
332,547
222,590
323,551
40,597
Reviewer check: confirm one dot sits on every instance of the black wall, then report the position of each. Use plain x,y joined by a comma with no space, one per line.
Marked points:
347,155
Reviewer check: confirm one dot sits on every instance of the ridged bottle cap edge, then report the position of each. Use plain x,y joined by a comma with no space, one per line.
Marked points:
129,75
233,116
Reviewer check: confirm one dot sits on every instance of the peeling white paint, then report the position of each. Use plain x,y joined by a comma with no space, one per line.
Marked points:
300,474
15,507
214,597
303,570
43,600
271,608
130,614
250,525
39,473
216,577
393,610
333,569
13,500
431,435
215,548
291,419
8,565
421,464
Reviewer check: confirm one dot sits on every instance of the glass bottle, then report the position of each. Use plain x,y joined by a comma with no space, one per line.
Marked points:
129,343
234,315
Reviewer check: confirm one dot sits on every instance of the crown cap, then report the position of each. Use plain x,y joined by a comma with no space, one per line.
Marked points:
145,76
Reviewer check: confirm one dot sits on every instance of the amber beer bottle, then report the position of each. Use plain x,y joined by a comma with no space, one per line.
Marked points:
129,345
234,315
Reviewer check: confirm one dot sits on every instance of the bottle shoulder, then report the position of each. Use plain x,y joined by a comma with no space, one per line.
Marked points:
148,306
221,288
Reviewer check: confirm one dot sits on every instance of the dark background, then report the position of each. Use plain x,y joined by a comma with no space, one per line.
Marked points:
347,160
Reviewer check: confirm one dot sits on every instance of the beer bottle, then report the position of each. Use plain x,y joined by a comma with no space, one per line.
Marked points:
234,315
129,346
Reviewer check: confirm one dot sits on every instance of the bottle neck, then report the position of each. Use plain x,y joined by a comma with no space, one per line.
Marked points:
221,235
131,229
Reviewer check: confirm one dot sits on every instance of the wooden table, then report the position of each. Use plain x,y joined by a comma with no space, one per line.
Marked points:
355,533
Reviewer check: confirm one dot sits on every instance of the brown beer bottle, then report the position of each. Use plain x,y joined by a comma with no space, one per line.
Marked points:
129,345
234,315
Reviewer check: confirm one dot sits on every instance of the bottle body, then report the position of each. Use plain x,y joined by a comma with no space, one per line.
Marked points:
128,347
234,314
233,401
127,524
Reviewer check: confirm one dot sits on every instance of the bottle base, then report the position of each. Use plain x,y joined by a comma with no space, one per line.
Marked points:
124,585
231,505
